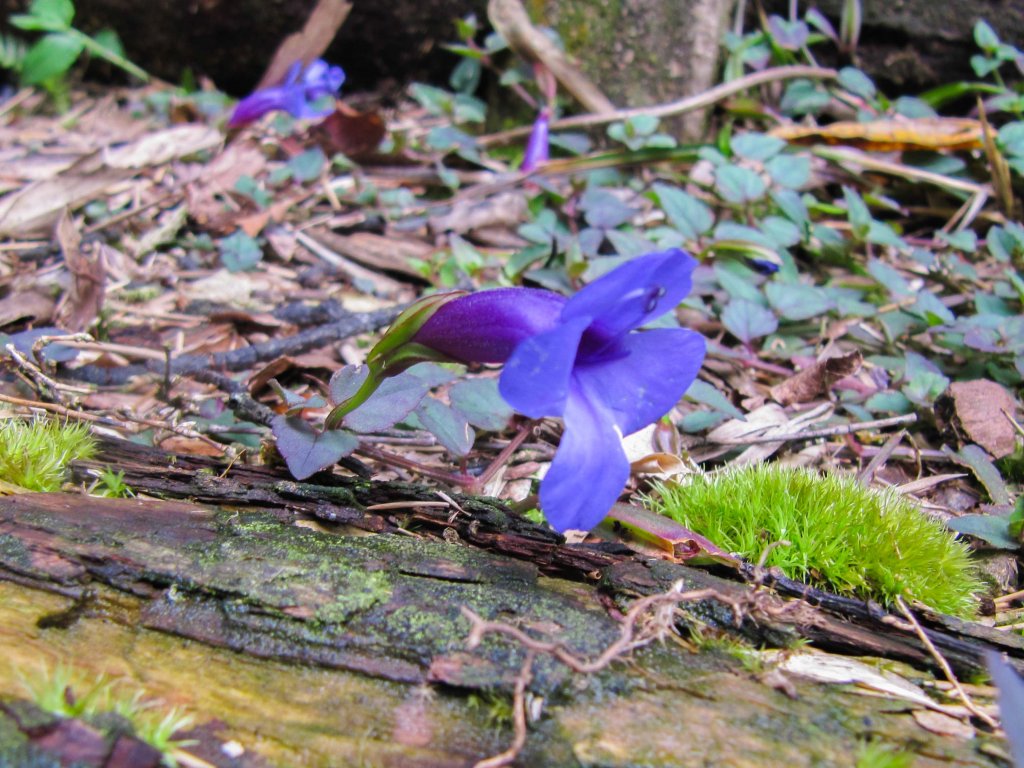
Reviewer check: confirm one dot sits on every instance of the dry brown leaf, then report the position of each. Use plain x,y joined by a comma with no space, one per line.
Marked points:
817,379
943,724
508,209
26,305
981,409
353,134
933,133
84,300
33,209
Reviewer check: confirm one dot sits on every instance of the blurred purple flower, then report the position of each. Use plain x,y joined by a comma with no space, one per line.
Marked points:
581,359
1011,703
297,94
537,145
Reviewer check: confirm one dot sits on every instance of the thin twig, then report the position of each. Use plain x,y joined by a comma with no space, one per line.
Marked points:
518,717
630,638
688,104
944,665
811,434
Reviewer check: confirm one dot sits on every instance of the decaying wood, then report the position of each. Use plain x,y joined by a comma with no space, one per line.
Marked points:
833,622
247,561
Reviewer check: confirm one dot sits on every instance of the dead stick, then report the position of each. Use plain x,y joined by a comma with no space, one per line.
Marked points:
944,665
512,23
687,104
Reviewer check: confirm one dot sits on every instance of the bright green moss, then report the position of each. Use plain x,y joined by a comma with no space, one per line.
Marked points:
35,454
842,536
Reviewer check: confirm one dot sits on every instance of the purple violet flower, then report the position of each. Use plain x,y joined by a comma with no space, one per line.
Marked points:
297,94
537,145
584,360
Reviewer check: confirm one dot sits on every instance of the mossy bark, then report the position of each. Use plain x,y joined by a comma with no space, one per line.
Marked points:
644,52
385,677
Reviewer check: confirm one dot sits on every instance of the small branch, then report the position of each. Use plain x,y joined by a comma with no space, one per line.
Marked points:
944,665
688,104
511,21
239,359
811,434
662,606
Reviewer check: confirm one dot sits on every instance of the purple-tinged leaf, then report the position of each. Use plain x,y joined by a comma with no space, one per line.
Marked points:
295,402
396,397
307,451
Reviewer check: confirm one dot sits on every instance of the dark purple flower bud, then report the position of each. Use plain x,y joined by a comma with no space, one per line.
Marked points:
537,145
297,94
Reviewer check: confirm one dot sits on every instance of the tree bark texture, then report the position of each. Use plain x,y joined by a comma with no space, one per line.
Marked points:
312,627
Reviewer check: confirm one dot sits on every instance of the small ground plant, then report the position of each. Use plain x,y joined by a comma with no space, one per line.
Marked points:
838,534
64,692
35,454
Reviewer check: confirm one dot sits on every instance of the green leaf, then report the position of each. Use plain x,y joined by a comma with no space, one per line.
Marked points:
466,76
857,213
239,252
50,57
890,278
748,321
857,83
307,166
797,301
889,402
911,106
703,393
757,146
737,184
737,280
985,37
469,109
688,214
46,16
108,40
396,397
995,529
782,232
792,205
480,402
803,97
1011,138
965,240
974,458
446,424
436,101
790,171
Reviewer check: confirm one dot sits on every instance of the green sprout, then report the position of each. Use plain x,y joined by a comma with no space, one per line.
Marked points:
828,531
35,454
111,485
65,692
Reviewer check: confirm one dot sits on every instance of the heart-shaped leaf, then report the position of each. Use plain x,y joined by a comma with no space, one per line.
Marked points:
306,450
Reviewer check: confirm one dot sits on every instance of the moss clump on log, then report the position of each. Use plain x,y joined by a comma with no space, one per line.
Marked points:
836,533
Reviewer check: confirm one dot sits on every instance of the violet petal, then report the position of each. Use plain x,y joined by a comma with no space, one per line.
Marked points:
536,377
652,373
634,293
590,468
